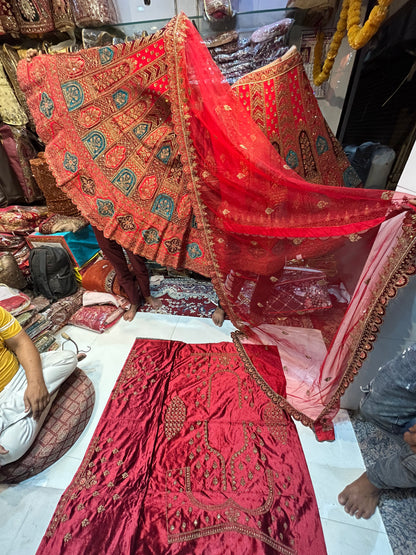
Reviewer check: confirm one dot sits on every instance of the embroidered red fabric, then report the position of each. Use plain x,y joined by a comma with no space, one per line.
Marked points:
190,456
156,150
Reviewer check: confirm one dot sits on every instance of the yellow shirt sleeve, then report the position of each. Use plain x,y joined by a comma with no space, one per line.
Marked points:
9,365
9,326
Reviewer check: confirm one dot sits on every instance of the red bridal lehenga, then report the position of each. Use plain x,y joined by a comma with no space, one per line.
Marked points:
195,450
155,149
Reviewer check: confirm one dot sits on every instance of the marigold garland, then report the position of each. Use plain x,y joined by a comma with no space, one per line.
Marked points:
358,36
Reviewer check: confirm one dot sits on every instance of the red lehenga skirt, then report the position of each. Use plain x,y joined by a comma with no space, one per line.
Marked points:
280,99
154,147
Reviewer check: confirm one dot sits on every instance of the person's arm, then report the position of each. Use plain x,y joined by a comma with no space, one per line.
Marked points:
36,396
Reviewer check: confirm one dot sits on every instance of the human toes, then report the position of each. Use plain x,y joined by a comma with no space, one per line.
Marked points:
350,507
342,498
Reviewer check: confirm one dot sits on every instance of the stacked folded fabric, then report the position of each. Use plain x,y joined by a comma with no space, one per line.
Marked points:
236,55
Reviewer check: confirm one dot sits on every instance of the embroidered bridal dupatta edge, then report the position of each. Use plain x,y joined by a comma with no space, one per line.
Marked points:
155,149
212,134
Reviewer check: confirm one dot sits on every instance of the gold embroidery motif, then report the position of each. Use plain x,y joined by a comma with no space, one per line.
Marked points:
387,195
175,417
277,422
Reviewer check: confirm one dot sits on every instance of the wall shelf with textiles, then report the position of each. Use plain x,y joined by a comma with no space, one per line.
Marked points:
239,43
244,23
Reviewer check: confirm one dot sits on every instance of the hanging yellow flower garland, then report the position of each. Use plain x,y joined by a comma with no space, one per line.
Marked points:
321,74
349,20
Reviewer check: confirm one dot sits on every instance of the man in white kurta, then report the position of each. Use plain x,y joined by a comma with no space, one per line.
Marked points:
29,382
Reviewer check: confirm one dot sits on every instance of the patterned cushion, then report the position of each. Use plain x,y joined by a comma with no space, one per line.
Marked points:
101,276
65,422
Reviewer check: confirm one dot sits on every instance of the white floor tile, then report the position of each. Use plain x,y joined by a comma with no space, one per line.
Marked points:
25,514
58,475
201,330
345,539
333,465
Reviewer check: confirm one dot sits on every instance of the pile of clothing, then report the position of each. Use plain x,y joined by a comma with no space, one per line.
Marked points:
237,55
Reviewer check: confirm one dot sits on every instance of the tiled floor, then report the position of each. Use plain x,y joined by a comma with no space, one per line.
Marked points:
26,508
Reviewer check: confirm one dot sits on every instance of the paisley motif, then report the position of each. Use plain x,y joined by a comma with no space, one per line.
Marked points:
175,417
73,95
75,66
126,223
90,116
70,162
115,156
148,187
184,206
87,185
164,154
292,159
95,143
194,250
321,145
350,177
141,130
125,180
120,98
105,54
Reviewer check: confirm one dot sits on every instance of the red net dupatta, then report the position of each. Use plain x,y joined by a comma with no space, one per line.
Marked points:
156,150
302,268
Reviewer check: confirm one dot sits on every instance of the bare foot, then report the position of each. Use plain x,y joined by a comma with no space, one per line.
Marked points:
218,316
130,313
154,302
3,451
360,498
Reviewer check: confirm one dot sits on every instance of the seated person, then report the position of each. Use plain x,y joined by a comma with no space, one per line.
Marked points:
389,402
28,381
